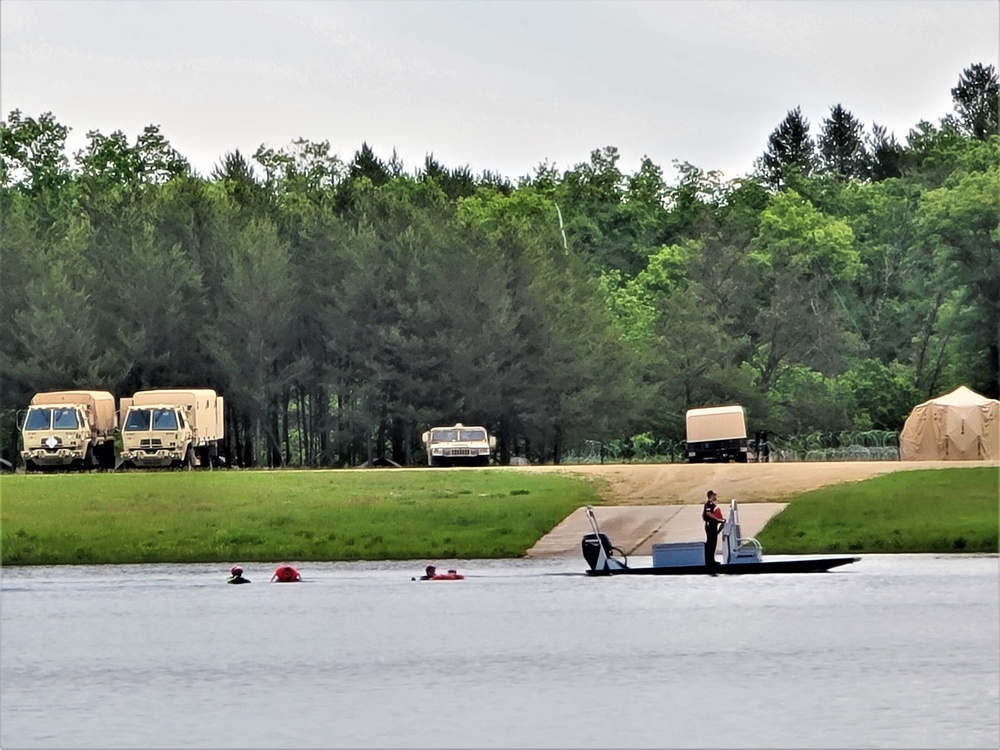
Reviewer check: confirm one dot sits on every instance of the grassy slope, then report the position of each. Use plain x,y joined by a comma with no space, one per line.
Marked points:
290,515
420,514
941,510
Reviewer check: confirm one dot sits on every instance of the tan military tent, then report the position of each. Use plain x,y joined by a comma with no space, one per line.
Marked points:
959,426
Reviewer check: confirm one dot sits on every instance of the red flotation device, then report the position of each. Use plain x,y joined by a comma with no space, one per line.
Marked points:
431,574
451,575
286,574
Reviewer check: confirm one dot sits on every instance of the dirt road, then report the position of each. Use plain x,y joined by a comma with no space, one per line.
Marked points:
681,483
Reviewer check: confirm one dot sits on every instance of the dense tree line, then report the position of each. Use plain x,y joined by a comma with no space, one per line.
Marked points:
344,307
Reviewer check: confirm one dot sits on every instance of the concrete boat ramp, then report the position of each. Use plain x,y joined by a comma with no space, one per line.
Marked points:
636,528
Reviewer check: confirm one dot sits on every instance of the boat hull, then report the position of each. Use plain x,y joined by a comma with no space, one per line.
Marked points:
799,565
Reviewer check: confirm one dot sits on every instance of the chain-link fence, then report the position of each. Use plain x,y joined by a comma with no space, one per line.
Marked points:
637,449
847,445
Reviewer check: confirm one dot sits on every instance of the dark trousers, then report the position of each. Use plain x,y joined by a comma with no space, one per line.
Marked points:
711,542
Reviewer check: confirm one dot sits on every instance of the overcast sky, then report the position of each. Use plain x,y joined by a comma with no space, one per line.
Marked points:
501,86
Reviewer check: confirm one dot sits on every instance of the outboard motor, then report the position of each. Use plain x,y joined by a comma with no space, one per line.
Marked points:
598,550
592,548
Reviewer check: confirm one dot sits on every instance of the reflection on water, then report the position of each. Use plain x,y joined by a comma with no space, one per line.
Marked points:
893,651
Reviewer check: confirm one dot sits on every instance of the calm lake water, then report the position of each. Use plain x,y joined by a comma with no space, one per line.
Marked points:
893,651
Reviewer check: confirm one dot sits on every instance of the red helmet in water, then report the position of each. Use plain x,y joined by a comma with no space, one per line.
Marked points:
236,570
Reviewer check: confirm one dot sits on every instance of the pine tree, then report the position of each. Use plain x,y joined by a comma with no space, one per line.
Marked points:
789,149
976,98
885,155
841,144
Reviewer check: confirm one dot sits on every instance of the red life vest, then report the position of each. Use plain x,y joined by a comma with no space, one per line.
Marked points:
286,574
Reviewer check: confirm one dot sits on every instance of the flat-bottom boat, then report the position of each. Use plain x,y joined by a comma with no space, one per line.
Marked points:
740,555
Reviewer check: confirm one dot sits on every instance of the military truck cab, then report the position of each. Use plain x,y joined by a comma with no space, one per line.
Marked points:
716,433
69,430
170,428
458,445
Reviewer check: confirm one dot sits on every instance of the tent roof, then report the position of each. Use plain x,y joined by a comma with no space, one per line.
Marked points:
961,396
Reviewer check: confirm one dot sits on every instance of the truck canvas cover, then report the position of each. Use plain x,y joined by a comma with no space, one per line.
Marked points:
716,423
206,407
101,405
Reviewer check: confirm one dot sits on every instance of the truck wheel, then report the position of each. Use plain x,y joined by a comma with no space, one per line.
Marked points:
89,462
205,457
108,456
189,459
30,467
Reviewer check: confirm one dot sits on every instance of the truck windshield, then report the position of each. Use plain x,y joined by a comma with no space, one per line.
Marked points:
444,436
65,419
164,419
137,420
140,420
38,419
471,435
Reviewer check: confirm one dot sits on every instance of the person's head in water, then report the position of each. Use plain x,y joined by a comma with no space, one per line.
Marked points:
236,571
429,570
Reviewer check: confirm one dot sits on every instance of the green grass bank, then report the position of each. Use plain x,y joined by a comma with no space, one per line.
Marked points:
258,516
935,510
223,516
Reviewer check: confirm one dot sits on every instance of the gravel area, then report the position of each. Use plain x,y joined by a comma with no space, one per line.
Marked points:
681,483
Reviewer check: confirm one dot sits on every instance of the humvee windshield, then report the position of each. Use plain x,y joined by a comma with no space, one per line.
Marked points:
453,436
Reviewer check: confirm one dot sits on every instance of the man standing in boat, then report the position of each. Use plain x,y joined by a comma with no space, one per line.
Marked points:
711,514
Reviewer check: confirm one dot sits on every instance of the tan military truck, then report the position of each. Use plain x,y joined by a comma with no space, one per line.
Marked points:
716,433
169,428
458,445
69,430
